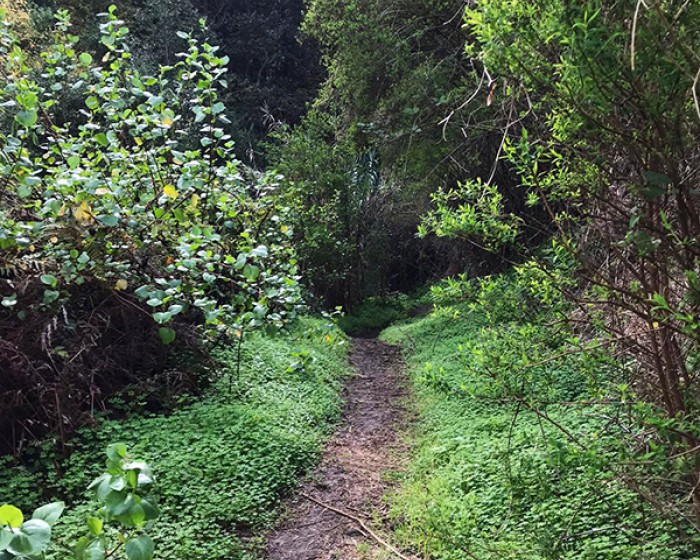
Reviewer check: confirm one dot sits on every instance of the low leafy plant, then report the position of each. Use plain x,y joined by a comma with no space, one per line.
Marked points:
27,539
118,529
128,510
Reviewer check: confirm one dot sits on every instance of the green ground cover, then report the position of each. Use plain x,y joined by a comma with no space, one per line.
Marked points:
223,463
491,479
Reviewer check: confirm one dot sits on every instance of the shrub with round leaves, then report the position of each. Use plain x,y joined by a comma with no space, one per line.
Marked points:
30,538
130,181
127,512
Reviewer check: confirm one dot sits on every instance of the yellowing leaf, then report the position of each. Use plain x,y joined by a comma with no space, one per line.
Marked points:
194,202
121,285
167,121
62,211
138,141
53,239
10,515
102,190
83,213
170,191
32,248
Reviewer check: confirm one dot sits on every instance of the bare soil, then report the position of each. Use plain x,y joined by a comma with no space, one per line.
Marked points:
352,473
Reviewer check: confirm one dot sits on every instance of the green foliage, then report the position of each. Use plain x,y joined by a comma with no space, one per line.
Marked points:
125,515
224,462
474,210
379,119
140,192
396,101
600,123
377,313
326,206
511,458
27,539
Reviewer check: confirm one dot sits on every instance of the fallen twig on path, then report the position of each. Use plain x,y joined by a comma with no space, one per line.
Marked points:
360,522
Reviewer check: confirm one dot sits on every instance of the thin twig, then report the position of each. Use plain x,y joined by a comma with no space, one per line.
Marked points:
359,521
695,93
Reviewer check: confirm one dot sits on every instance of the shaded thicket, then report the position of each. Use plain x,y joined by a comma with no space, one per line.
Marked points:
600,123
397,77
60,370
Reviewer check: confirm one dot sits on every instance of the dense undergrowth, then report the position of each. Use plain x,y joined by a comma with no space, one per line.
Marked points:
377,313
512,459
222,463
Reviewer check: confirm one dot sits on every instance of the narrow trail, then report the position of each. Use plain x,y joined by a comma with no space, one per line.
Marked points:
350,474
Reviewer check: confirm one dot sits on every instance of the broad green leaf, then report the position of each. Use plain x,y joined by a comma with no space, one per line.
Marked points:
85,59
140,548
101,486
95,526
150,509
32,538
116,451
27,118
162,318
49,280
50,512
166,335
143,292
6,536
117,483
94,551
259,251
92,102
109,220
132,478
251,272
118,503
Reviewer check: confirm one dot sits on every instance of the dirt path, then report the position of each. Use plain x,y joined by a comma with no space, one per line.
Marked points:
350,475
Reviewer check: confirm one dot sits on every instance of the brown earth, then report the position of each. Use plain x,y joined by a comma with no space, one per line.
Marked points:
351,476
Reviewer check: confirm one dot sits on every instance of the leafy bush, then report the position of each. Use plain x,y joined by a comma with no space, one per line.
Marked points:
122,200
143,192
518,452
127,512
600,115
